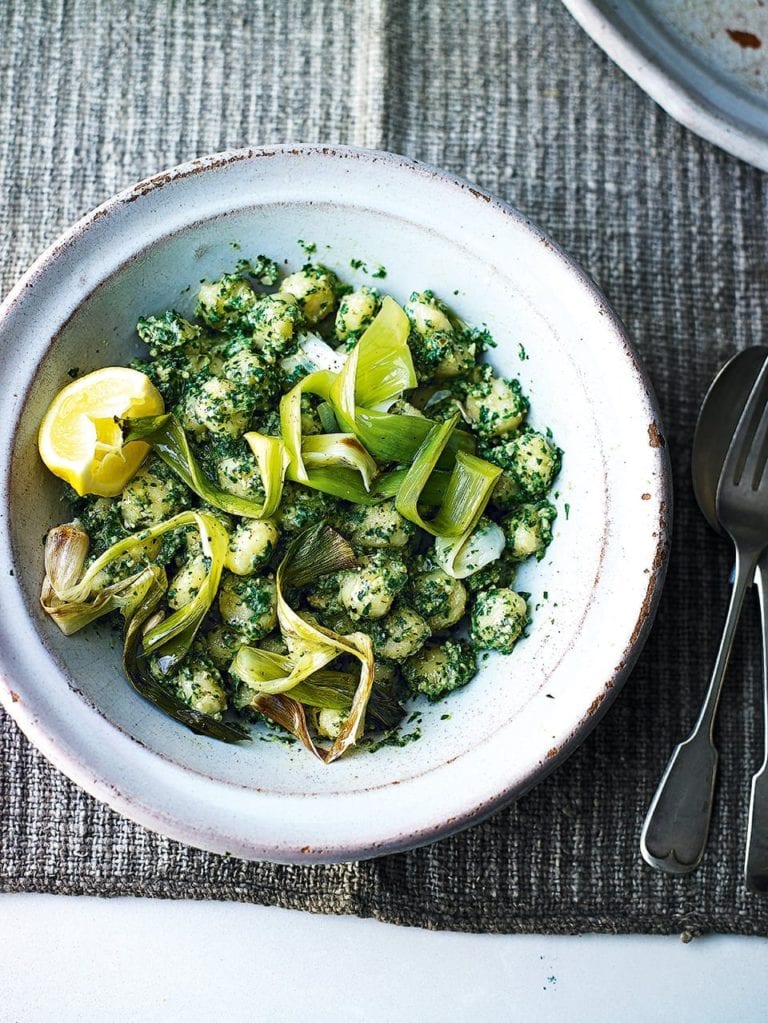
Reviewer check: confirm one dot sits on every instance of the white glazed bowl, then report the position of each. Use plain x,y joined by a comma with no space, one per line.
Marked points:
146,250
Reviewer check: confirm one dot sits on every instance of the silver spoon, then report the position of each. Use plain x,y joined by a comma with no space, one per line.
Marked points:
676,827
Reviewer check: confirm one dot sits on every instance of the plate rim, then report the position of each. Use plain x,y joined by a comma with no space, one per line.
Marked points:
669,90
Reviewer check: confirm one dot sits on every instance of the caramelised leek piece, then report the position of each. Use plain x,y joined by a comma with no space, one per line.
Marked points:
462,556
71,599
71,608
338,449
261,673
66,584
317,551
141,613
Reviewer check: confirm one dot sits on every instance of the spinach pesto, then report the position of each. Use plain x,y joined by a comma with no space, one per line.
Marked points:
334,497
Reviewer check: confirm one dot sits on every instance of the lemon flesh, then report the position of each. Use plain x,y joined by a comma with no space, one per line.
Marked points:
80,439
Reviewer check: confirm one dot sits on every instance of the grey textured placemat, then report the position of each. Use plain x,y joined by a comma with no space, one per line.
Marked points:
96,95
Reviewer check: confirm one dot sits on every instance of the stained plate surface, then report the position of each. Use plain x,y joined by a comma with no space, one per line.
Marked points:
704,61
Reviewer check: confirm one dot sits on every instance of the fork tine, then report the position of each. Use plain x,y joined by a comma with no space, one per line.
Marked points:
742,449
754,468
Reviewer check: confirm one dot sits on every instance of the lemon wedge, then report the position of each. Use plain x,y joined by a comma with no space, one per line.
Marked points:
80,439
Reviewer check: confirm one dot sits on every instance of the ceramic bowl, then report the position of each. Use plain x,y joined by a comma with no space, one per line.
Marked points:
593,595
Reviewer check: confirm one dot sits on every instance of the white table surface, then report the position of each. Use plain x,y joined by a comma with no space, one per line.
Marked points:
82,959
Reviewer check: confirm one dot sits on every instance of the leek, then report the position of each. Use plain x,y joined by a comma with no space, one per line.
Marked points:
66,547
389,483
378,369
171,638
313,553
339,481
272,461
327,417
318,383
290,715
395,438
465,555
169,441
265,671
140,613
325,690
343,449
71,606
385,367
466,495
64,585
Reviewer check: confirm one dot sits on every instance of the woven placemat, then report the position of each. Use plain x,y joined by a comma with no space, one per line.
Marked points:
514,96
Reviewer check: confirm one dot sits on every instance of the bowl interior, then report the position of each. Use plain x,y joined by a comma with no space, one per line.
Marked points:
552,332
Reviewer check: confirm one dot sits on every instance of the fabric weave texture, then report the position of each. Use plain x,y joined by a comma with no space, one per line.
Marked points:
514,96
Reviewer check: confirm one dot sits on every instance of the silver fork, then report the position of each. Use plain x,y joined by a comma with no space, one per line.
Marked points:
677,824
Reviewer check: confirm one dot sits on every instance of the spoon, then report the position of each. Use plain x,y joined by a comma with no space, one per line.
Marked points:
676,827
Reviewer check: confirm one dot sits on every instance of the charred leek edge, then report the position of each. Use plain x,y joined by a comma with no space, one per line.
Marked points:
316,552
325,690
147,594
290,715
318,383
466,494
465,555
167,438
339,449
65,549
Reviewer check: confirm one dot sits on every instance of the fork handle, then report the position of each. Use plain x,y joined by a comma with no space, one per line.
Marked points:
756,864
677,824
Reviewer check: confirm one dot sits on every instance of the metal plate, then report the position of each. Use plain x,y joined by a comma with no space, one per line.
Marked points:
704,61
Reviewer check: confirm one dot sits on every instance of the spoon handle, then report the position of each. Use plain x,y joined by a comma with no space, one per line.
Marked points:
756,865
675,831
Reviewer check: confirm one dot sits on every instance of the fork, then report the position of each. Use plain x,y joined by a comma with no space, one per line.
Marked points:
756,860
675,831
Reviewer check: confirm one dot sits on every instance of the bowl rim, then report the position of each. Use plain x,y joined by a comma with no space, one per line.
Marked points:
152,817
